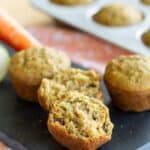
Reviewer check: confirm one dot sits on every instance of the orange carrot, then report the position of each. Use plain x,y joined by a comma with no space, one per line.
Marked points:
14,34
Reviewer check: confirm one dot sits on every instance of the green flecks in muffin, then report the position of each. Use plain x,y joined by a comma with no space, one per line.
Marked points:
82,115
87,82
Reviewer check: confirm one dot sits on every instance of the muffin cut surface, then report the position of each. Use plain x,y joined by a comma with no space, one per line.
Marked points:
49,92
80,117
86,82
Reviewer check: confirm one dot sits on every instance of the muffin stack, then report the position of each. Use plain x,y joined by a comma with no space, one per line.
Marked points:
78,119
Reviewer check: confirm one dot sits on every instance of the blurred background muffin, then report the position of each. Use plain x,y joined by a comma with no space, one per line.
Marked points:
118,14
72,2
146,37
29,67
128,81
146,2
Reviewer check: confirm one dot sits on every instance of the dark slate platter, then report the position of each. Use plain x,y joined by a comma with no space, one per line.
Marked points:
23,125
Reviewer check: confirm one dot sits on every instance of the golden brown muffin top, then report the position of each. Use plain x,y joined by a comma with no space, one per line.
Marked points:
32,65
72,2
81,116
118,14
146,2
146,38
129,73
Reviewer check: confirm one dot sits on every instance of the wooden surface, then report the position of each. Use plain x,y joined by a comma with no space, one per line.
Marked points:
24,13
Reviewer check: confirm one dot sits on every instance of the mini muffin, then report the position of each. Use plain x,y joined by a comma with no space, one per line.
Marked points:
118,15
86,82
72,2
128,81
29,67
146,38
146,2
79,122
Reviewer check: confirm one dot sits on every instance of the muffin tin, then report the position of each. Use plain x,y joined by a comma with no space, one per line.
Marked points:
81,17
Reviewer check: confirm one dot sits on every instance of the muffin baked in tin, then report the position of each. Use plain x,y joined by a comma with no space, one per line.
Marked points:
127,79
146,2
72,2
29,67
80,122
118,14
146,38
86,82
